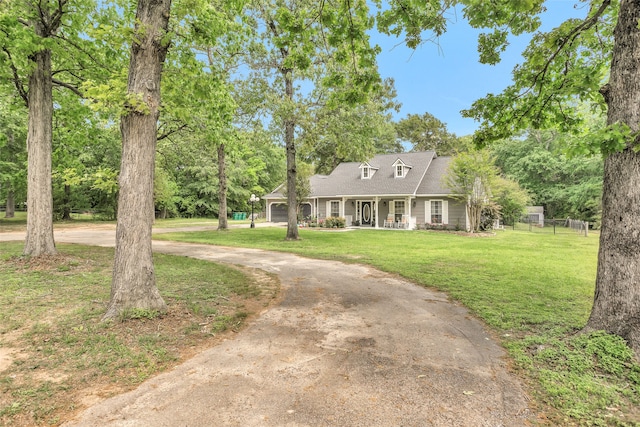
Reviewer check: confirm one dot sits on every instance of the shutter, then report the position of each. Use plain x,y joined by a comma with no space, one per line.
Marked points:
427,212
445,212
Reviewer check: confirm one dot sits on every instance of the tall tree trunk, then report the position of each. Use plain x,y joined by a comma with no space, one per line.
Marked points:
290,143
133,285
222,189
616,307
39,239
66,207
10,210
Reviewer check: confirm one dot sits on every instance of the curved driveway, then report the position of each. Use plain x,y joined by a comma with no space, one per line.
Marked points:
347,346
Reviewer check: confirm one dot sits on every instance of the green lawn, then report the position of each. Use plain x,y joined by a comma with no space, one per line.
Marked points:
535,291
185,222
17,223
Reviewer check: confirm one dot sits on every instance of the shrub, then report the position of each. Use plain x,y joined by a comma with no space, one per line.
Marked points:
335,222
436,226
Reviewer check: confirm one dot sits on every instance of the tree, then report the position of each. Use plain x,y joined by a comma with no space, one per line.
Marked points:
511,198
200,109
303,185
347,133
222,188
471,178
593,60
301,37
426,132
566,185
32,24
43,46
12,153
617,296
133,284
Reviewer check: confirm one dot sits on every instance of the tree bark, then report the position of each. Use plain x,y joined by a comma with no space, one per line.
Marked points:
133,285
616,306
222,189
39,238
290,144
66,208
10,210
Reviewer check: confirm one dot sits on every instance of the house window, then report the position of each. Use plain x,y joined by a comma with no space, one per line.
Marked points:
335,208
399,171
436,212
398,209
365,173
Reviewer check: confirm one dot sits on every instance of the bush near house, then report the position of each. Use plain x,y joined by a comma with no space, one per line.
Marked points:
335,222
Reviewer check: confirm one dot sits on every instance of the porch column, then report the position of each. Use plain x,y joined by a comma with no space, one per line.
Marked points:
343,210
375,210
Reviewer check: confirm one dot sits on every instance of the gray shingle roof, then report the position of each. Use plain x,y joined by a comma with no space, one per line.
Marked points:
433,182
423,177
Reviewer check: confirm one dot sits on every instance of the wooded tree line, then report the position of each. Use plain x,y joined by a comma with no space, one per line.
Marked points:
104,86
187,183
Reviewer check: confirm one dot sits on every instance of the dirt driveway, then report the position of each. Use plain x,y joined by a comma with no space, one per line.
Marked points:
346,346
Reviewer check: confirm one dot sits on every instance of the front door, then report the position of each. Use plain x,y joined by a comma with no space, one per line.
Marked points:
367,213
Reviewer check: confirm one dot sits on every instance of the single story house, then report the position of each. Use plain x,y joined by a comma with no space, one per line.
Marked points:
400,190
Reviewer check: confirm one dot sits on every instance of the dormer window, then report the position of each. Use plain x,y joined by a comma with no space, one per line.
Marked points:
401,169
367,171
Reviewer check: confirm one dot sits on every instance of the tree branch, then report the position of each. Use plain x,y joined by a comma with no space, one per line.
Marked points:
56,17
16,78
571,37
172,131
68,86
538,79
80,49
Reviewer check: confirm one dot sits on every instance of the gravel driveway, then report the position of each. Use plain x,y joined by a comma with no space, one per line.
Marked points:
347,346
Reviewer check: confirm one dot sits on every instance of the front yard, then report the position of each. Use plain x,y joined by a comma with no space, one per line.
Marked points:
534,290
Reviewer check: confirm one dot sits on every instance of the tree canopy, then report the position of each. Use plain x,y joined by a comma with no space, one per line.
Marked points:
426,132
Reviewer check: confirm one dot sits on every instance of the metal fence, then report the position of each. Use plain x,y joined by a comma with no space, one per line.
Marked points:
552,226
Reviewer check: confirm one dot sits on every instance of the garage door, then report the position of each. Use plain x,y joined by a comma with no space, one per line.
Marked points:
279,213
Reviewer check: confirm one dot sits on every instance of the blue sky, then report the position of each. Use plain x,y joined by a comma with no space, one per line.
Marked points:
446,78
